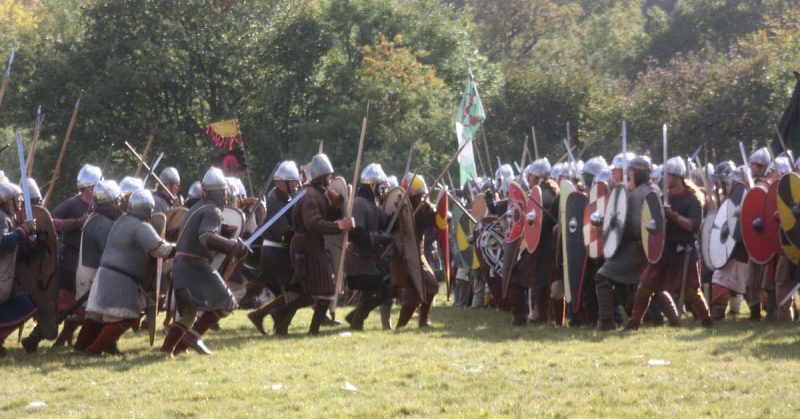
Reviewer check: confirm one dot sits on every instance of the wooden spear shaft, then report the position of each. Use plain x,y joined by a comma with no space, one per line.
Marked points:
146,151
349,212
57,170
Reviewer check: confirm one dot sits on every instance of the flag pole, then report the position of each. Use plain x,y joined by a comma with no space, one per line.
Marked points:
244,153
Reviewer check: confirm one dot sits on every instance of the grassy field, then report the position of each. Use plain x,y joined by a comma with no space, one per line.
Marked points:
471,363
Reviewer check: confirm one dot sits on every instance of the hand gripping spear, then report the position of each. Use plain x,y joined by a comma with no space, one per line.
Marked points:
349,212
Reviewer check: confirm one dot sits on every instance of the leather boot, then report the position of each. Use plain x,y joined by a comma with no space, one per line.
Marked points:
65,337
701,309
206,321
406,312
257,316
605,303
282,316
89,332
667,305
772,305
31,342
641,301
557,311
174,336
755,312
320,313
425,311
110,333
386,314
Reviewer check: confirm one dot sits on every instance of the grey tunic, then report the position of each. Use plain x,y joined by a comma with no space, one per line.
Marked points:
163,203
115,291
192,275
628,263
360,258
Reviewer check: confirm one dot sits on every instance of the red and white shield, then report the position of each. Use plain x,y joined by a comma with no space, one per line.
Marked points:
593,219
517,202
532,231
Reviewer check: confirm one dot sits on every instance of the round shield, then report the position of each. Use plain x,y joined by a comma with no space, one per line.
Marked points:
464,230
38,273
756,235
490,238
593,219
789,206
517,203
575,254
721,238
791,252
705,239
234,218
566,187
653,227
614,220
772,219
532,231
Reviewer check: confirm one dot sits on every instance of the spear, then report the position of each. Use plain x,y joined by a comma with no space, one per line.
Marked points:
149,170
149,143
535,145
349,212
36,130
57,170
7,76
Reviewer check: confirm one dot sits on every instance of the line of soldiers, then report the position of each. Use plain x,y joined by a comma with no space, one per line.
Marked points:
125,253
596,244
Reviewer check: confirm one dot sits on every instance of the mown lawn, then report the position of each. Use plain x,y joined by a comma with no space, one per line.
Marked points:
471,363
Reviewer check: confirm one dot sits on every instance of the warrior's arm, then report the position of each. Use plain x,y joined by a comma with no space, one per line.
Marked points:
163,250
314,222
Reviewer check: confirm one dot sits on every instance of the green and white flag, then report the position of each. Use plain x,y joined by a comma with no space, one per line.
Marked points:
469,117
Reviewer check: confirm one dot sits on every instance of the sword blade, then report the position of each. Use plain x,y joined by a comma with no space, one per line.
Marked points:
274,218
26,193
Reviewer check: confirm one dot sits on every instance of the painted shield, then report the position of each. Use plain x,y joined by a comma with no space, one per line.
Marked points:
479,208
490,238
333,242
614,220
235,219
443,230
175,216
38,275
517,204
789,206
575,254
464,231
595,210
773,221
653,227
722,242
566,187
791,252
757,237
532,231
404,237
705,239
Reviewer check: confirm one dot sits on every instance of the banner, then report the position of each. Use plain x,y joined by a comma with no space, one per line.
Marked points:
224,133
469,117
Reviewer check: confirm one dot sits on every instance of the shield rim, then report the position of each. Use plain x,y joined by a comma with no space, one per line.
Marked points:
610,248
653,240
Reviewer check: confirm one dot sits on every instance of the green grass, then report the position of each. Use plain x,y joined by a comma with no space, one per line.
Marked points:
471,363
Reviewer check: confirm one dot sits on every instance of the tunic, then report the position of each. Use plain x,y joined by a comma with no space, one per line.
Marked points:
312,218
74,207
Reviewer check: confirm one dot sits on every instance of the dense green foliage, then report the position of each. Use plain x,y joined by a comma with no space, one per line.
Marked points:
299,71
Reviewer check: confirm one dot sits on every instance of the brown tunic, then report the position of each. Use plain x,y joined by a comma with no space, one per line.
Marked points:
425,219
312,218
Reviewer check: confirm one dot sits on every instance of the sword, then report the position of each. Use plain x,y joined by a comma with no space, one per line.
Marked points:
155,164
663,173
274,218
625,154
7,75
26,192
108,157
746,173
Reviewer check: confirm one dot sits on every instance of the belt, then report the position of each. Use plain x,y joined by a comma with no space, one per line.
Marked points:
191,256
119,271
270,243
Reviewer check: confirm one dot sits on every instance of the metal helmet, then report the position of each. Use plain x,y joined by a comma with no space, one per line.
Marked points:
656,173
641,163
760,156
675,166
170,176
372,174
195,191
540,168
130,184
214,180
9,190
723,170
595,165
735,175
391,182
287,170
106,191
604,175
320,166
619,160
236,187
503,172
570,171
88,176
781,164
555,171
33,188
141,203
417,184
